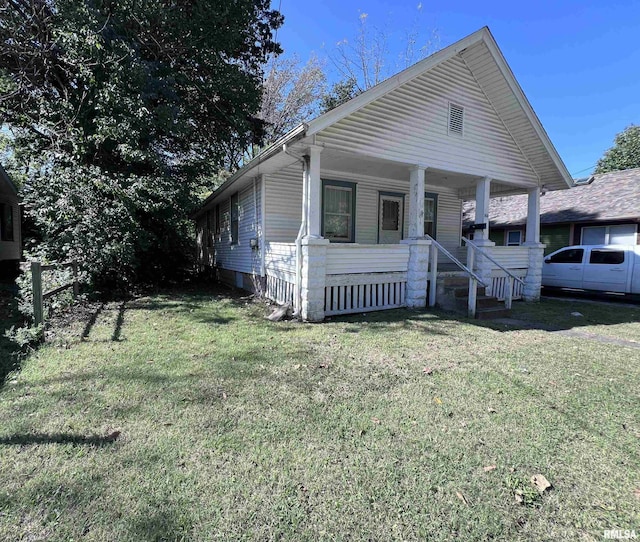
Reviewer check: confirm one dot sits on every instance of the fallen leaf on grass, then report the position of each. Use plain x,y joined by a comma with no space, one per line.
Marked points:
636,493
462,497
541,482
437,400
376,421
489,468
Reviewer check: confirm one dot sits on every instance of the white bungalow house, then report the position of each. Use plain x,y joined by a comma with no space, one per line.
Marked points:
352,211
10,234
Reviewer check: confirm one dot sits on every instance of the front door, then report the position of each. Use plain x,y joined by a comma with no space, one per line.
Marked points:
391,218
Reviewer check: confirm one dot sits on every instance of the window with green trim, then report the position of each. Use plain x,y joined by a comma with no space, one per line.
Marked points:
235,215
217,223
430,213
338,211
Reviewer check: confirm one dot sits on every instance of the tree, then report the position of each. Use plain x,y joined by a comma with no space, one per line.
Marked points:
119,109
291,95
625,153
367,60
340,92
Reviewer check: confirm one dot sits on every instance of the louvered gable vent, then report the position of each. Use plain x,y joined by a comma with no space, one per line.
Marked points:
456,119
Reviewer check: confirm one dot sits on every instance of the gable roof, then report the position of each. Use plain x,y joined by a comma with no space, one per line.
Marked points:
6,184
484,59
609,196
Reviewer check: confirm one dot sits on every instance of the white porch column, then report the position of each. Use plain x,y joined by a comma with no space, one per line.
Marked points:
417,272
533,280
313,247
416,202
483,266
314,195
313,278
418,267
483,190
533,216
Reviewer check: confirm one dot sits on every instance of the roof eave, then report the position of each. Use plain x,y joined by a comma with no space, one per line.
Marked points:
272,150
526,106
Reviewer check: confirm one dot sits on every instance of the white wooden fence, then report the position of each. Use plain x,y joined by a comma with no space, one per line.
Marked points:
499,284
364,292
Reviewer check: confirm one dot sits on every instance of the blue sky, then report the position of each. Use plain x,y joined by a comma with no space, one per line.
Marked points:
578,62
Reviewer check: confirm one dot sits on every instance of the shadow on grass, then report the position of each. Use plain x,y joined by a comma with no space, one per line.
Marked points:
192,309
162,523
11,354
24,439
562,315
390,321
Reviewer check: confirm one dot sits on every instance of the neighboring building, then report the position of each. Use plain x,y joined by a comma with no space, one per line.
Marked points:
10,232
332,217
602,209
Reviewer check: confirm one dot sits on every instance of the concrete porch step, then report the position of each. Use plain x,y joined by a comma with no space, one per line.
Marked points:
482,302
453,294
463,291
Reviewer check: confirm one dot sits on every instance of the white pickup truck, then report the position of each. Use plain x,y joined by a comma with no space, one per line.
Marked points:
605,268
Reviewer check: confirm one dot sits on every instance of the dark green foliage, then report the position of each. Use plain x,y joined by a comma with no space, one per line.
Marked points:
625,153
340,92
121,110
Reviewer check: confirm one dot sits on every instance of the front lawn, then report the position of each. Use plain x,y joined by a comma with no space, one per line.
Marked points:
189,417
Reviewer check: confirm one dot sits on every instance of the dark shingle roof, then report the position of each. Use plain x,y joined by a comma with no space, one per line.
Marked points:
611,196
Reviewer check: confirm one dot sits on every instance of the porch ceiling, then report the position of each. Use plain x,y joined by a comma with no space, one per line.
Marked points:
371,166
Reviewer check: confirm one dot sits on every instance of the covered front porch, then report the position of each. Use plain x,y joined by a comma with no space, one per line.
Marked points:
379,234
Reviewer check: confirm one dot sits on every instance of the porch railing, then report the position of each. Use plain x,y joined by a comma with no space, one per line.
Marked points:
473,278
510,276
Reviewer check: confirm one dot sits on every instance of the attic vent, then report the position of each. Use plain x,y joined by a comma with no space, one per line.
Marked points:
456,119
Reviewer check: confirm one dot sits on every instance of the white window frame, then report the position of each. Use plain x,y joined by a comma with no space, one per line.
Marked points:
506,238
346,186
607,230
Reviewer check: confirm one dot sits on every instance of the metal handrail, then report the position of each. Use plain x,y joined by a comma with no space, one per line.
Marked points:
455,260
477,248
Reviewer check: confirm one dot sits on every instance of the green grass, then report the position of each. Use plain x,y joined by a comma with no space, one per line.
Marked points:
612,320
235,428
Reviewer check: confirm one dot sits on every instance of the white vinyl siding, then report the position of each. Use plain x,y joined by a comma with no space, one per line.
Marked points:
411,124
239,256
284,206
